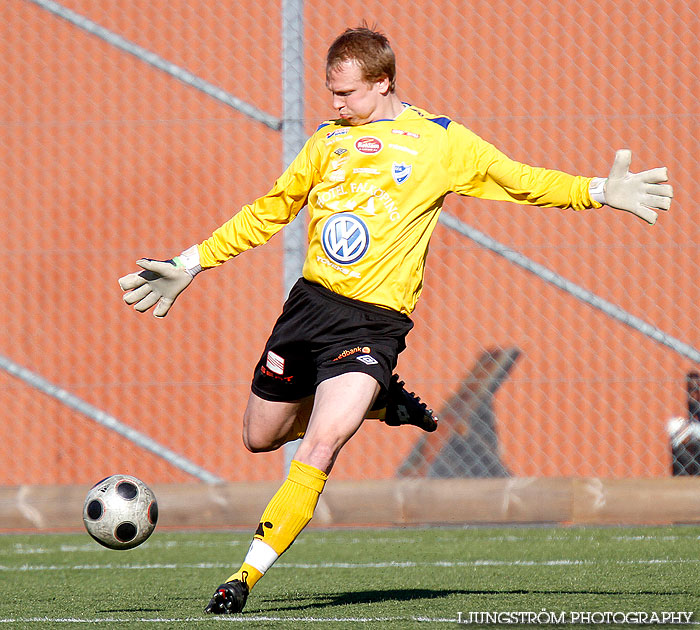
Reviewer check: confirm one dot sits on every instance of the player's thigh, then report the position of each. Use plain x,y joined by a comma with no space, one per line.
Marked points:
266,423
340,406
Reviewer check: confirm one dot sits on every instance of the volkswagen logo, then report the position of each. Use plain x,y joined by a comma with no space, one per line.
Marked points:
345,238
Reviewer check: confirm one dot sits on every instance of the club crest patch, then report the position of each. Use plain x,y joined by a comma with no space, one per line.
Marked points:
401,171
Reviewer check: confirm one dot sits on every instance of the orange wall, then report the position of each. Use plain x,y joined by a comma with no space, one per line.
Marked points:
105,159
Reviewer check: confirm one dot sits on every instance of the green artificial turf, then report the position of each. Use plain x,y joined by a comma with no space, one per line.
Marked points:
340,578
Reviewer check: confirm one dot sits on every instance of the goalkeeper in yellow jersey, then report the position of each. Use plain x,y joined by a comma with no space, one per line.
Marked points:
374,180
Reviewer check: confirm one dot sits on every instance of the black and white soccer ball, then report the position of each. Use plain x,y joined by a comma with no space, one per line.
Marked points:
120,512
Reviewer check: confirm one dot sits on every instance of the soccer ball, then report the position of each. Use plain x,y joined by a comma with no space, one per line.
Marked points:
120,512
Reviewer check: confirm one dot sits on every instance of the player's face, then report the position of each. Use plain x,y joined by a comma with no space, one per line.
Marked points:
356,100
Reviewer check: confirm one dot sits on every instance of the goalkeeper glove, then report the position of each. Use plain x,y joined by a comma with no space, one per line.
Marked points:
639,193
160,282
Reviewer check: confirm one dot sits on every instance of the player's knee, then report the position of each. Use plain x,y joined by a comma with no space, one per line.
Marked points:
259,446
257,441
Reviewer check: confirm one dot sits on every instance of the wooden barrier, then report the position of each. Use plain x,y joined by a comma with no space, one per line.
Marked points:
576,501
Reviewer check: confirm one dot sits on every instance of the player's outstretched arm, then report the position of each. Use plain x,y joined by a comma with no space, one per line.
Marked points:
160,282
639,193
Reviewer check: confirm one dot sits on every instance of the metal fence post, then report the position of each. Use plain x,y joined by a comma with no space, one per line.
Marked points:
293,138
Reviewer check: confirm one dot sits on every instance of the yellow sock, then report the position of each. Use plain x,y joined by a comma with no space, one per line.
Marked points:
287,513
292,506
247,573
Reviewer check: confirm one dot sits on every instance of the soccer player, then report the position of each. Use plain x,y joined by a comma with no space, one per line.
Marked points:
374,180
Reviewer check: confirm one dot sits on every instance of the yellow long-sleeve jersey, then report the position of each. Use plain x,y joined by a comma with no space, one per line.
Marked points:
374,193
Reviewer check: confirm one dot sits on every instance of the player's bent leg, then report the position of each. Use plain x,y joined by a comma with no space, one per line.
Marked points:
340,406
267,425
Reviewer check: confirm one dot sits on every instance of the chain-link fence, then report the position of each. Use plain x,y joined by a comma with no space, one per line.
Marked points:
551,343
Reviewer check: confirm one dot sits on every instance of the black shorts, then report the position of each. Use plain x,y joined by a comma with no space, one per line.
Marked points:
321,334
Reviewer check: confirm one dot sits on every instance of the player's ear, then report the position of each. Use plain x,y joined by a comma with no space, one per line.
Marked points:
384,85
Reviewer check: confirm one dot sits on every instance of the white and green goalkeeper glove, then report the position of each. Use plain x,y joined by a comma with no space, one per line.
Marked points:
160,282
641,194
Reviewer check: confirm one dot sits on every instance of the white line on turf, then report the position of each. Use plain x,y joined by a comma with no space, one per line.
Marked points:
22,549
25,549
230,619
348,565
88,547
242,619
